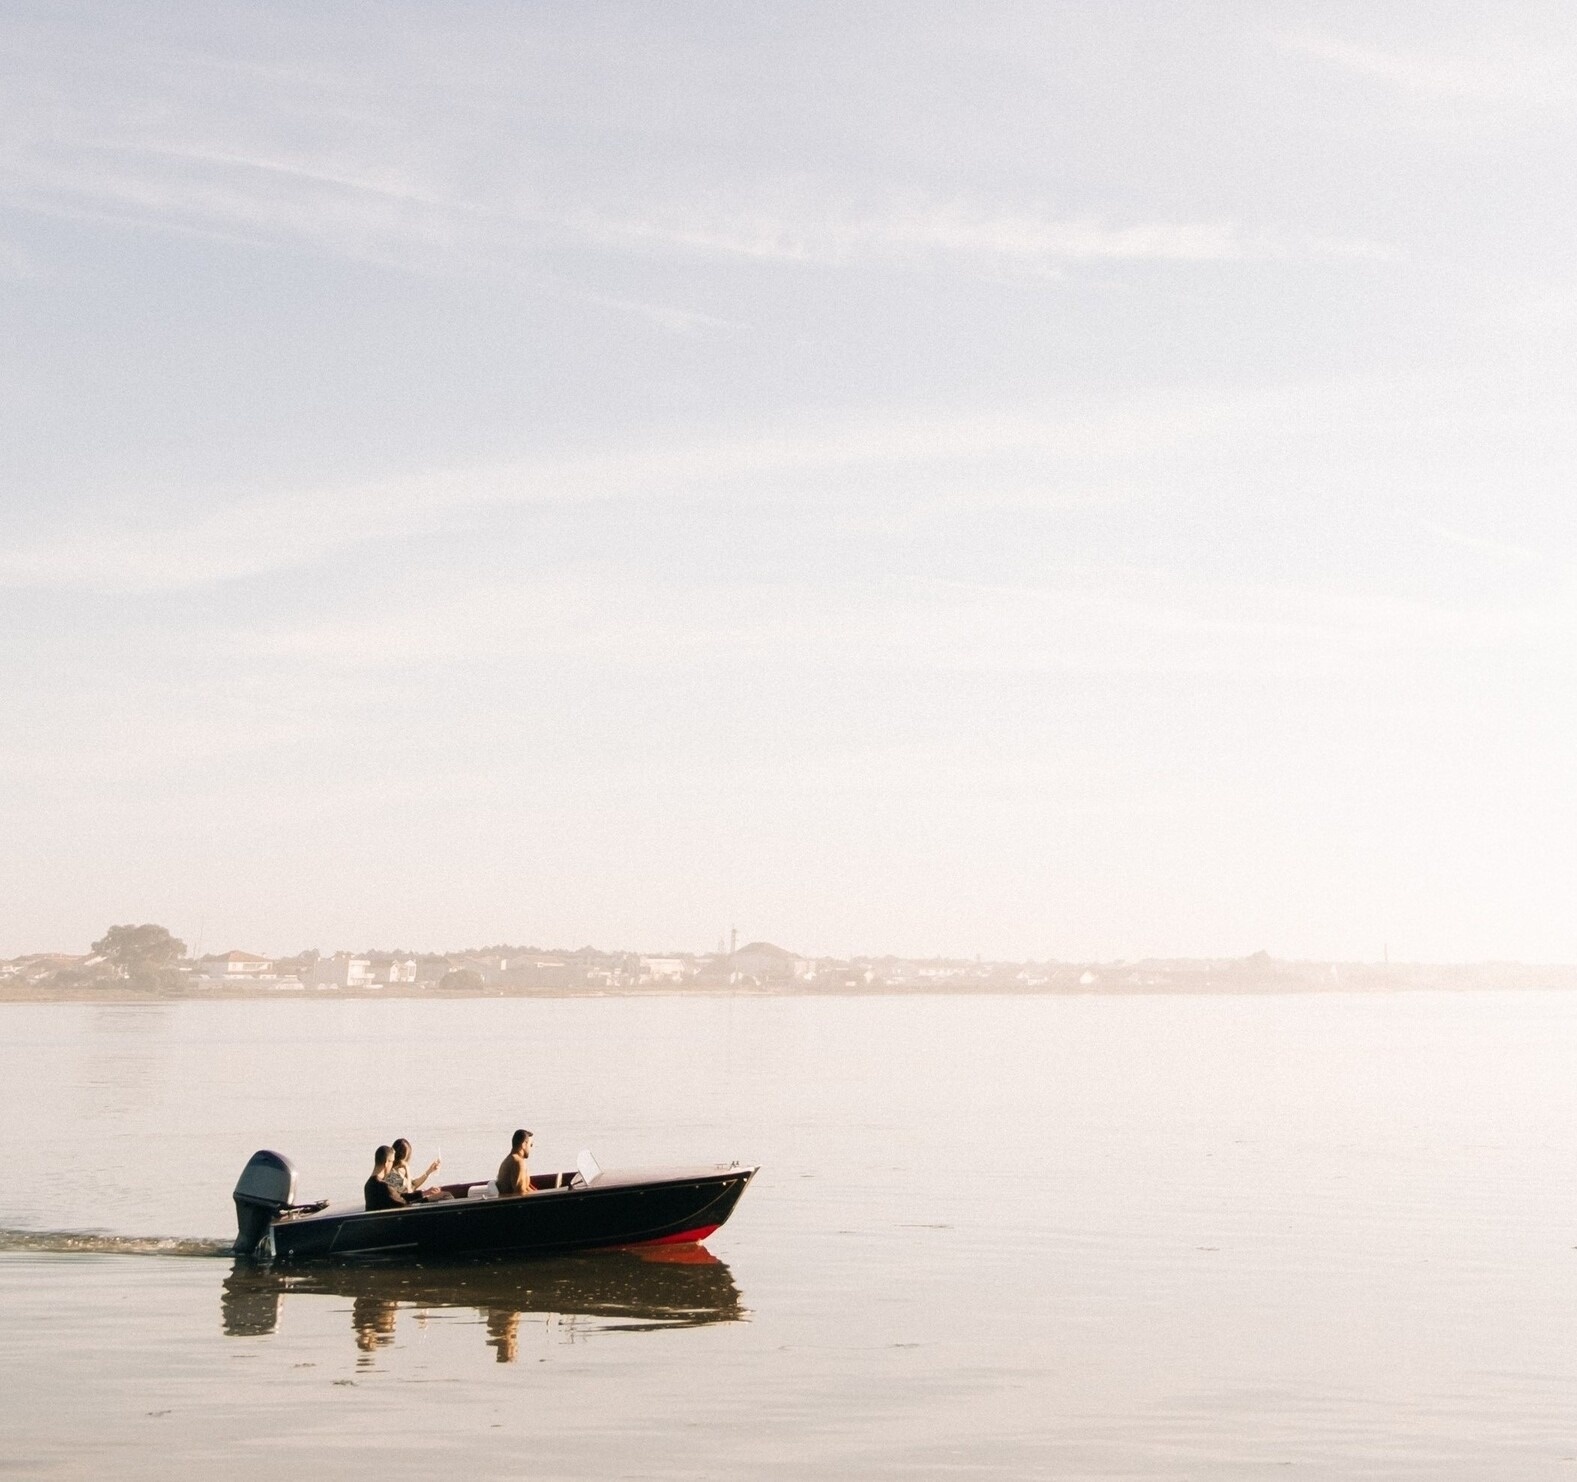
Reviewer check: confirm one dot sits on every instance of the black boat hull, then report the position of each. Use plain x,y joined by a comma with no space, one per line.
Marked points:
613,1211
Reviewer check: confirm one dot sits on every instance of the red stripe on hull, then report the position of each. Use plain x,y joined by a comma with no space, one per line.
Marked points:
684,1237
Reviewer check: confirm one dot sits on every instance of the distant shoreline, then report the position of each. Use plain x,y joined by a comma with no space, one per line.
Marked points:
148,964
1449,982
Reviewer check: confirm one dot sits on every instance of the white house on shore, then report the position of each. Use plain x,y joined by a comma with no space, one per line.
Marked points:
342,970
392,970
232,968
664,969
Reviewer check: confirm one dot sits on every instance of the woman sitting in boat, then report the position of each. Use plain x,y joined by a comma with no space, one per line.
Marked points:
513,1175
399,1177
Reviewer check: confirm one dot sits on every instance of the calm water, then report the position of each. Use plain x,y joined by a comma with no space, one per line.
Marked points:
1117,1238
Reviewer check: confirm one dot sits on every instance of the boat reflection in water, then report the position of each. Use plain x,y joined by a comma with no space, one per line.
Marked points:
660,1288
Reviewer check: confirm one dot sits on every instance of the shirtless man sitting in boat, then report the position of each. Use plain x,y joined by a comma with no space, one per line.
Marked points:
513,1176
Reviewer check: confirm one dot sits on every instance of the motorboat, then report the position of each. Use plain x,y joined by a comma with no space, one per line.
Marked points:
649,1289
586,1208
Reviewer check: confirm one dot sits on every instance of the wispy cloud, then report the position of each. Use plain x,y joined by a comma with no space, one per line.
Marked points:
297,528
365,210
339,168
666,316
1495,68
310,205
388,184
960,232
1104,621
1418,73
1502,550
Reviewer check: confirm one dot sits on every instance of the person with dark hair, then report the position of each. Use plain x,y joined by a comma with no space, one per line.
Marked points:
378,1193
513,1176
399,1177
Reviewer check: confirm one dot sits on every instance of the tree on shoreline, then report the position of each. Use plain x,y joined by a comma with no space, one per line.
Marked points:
143,956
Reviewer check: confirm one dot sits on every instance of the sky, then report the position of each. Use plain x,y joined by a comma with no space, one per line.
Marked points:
1075,481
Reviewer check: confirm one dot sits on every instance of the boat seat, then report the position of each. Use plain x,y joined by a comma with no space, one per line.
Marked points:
488,1190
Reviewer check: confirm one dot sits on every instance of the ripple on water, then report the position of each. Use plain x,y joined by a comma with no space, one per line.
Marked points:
95,1242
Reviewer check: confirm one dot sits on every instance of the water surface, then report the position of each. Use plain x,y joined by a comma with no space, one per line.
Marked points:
1206,1237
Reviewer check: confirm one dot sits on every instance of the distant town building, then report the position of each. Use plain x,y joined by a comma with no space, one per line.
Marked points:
765,963
833,974
597,969
342,970
665,969
36,967
232,967
391,970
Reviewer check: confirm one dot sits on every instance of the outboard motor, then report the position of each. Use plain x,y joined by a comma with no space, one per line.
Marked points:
266,1187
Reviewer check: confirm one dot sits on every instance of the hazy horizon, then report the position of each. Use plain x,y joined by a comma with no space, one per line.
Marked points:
198,947
1067,483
